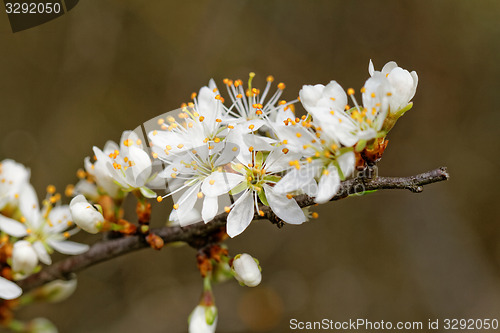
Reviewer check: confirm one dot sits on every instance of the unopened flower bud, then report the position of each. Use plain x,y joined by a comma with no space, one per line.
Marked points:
24,258
57,291
85,215
41,325
203,319
247,270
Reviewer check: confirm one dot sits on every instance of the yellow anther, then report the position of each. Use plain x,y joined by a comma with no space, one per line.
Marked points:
202,118
314,215
270,78
389,94
212,181
155,132
230,126
250,149
298,134
218,120
51,189
193,95
173,175
234,149
285,142
22,219
66,234
261,213
176,206
160,121
327,154
239,96
334,147
285,150
199,195
81,174
251,127
372,95
227,209
350,91
289,196
155,155
168,147
159,198
180,145
309,160
281,86
69,190
363,89
326,172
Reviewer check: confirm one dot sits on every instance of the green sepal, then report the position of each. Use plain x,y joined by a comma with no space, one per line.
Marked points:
360,145
148,193
262,197
259,159
238,188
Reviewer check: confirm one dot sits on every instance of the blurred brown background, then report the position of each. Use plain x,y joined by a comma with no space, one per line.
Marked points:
110,65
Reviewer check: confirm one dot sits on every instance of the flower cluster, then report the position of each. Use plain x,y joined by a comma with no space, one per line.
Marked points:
254,150
29,233
241,151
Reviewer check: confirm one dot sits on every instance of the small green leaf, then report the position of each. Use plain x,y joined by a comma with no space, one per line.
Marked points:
262,197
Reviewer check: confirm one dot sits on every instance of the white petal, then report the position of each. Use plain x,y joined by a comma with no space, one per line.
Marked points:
68,247
12,227
138,174
347,163
328,185
186,203
228,154
241,215
296,179
28,204
210,208
286,209
219,183
42,253
371,69
9,290
310,95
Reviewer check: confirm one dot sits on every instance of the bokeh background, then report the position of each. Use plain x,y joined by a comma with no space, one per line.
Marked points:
110,65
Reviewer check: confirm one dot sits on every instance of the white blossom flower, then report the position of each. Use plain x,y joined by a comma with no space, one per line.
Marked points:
46,228
100,172
247,270
187,173
13,178
85,215
8,289
130,166
203,319
24,258
323,158
401,86
250,110
254,180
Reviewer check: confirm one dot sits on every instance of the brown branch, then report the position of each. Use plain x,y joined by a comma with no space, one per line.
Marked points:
200,234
